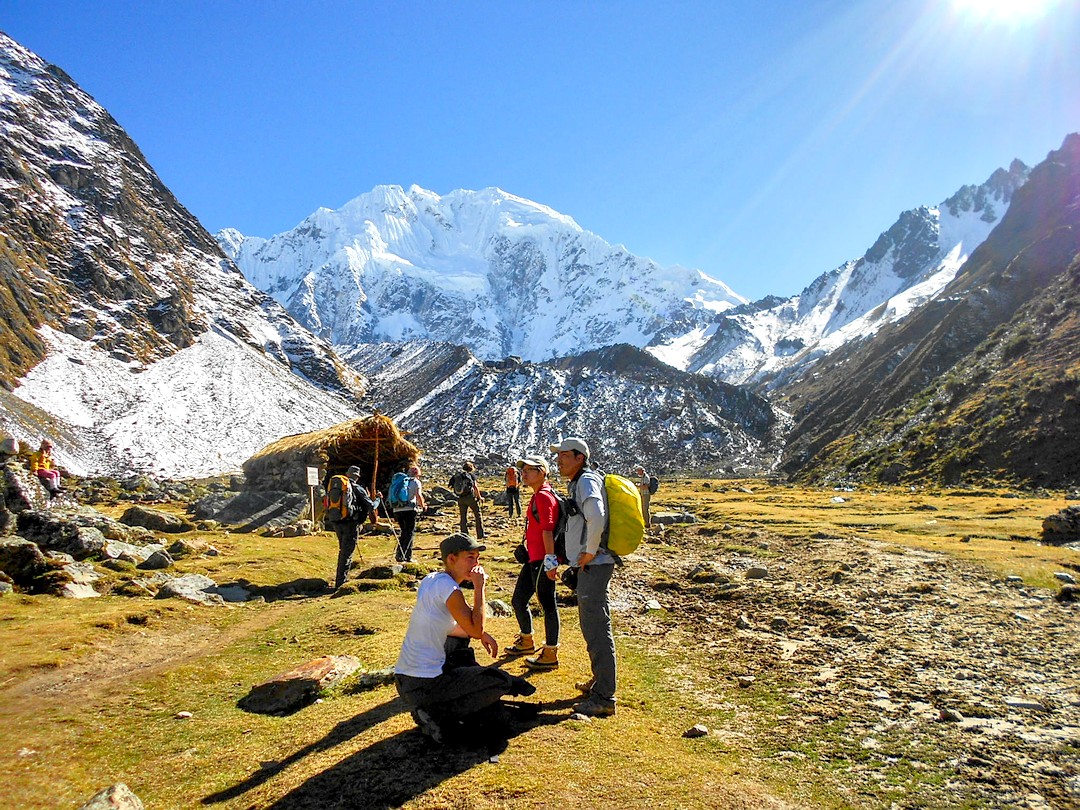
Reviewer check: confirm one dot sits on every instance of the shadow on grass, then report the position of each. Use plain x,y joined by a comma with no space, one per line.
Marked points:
394,770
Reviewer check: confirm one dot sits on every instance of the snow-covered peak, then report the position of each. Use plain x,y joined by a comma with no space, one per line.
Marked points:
908,265
487,269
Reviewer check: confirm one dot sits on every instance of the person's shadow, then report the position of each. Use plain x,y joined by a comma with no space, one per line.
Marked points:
394,770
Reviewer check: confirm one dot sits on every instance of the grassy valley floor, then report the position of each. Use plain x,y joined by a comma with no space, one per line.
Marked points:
868,649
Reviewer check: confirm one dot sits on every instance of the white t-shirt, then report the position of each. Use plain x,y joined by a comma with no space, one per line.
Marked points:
423,651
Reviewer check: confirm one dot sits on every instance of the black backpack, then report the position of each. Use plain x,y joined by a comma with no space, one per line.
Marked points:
462,483
654,484
566,508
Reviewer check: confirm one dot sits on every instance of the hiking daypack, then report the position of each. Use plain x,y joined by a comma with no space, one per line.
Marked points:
337,499
565,508
399,491
654,484
461,483
624,525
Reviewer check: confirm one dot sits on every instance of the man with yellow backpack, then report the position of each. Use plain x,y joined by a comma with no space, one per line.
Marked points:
605,524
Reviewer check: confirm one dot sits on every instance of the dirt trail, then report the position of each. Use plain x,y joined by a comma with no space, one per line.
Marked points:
115,665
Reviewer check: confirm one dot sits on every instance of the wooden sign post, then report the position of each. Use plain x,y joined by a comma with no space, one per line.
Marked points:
313,481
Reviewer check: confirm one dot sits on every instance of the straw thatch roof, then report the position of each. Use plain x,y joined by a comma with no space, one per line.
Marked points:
372,443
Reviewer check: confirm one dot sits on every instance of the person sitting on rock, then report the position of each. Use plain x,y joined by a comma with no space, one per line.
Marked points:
443,690
43,466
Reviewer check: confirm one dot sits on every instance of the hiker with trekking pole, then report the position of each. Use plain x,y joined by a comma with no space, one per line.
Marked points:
406,499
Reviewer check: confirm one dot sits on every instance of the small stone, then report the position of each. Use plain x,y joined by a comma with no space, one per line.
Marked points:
652,604
743,623
1024,703
757,572
696,731
779,623
183,715
745,681
950,716
1068,579
580,716
1012,579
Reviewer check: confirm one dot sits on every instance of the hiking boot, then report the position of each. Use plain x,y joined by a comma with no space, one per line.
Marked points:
521,688
427,724
547,659
595,707
585,687
522,646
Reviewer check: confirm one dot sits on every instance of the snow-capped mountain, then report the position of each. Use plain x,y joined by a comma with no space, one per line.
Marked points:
774,339
141,335
483,269
630,405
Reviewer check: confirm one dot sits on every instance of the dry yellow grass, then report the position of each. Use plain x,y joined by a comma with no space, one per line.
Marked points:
90,690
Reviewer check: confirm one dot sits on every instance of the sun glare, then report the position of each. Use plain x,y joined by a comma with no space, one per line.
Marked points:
1006,11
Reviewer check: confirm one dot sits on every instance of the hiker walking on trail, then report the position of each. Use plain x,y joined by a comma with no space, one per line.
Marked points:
463,482
43,466
539,573
407,501
595,565
348,505
513,493
643,482
444,689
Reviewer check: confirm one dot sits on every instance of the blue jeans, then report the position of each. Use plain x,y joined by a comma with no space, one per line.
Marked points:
594,616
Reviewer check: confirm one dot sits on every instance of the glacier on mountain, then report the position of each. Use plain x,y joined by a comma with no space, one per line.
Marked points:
772,340
485,269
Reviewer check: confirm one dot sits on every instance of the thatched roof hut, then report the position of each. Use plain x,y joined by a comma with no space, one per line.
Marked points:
372,443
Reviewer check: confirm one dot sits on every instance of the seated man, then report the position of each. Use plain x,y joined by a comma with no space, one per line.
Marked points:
437,691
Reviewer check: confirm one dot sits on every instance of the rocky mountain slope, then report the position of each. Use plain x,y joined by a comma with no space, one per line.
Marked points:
483,269
105,274
980,383
769,341
632,406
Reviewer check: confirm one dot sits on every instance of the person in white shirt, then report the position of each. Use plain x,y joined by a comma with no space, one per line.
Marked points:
436,687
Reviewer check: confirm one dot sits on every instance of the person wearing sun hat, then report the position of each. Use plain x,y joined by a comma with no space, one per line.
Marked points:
539,572
584,535
439,692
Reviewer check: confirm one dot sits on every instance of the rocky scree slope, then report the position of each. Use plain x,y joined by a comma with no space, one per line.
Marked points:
630,405
97,254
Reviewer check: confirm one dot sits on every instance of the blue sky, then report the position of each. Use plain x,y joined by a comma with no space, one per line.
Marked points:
762,142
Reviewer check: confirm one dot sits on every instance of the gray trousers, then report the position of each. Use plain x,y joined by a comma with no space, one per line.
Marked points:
594,616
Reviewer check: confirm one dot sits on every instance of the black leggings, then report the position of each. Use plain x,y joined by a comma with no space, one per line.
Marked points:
532,579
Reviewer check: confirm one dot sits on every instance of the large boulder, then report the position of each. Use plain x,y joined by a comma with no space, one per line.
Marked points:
111,529
21,490
114,797
155,520
21,560
57,533
252,510
1064,527
295,689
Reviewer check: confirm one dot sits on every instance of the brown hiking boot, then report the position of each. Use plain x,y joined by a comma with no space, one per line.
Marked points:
585,687
523,646
547,659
